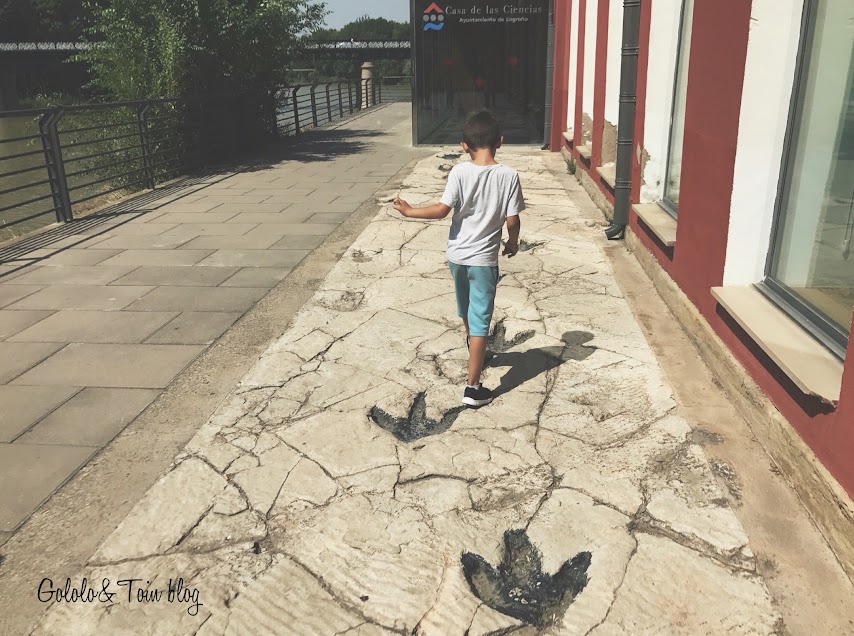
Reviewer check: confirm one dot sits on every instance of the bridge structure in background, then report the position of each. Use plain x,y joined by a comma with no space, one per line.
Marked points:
320,50
359,50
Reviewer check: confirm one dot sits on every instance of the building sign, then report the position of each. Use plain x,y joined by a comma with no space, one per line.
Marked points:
471,54
500,14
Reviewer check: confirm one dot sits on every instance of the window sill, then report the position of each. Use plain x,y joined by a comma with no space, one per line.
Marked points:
608,175
662,224
584,151
568,136
813,369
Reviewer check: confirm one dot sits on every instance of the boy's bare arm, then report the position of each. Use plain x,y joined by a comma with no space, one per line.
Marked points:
511,248
436,211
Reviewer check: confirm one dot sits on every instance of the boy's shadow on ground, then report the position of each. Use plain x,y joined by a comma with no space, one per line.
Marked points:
527,365
524,366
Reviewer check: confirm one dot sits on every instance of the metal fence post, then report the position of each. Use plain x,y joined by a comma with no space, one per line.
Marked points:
144,147
340,102
55,167
296,110
350,95
328,104
314,105
380,90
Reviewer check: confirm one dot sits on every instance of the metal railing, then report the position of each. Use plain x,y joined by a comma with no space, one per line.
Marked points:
308,106
60,162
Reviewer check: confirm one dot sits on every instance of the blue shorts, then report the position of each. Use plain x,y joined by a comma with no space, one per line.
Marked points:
475,286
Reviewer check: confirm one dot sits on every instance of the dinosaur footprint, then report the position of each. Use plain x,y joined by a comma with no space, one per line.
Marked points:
525,246
416,424
518,587
498,342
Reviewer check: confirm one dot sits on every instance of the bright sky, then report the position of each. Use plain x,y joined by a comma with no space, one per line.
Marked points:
344,11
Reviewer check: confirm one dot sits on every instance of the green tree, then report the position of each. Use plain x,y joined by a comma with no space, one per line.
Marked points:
41,20
364,28
159,48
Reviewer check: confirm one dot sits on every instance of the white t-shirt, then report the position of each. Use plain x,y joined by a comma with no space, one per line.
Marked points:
482,198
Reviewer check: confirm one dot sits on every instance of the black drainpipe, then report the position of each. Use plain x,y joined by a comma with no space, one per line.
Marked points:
550,74
626,125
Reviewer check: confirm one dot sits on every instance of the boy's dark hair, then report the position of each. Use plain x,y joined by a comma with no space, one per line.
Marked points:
481,130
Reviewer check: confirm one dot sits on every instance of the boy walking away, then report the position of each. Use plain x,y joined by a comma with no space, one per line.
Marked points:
484,196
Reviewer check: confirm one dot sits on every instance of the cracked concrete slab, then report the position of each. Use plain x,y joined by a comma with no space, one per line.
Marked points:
702,597
327,523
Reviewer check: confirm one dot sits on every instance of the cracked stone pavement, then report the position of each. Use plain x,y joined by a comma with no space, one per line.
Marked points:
293,512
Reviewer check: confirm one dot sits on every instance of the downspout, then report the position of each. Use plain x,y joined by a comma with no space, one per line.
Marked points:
626,124
550,75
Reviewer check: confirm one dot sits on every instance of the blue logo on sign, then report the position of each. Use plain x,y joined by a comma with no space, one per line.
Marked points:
434,18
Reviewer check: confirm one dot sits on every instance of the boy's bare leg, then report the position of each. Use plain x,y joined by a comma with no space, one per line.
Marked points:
477,352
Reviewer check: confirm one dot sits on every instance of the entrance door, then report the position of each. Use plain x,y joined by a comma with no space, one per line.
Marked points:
481,54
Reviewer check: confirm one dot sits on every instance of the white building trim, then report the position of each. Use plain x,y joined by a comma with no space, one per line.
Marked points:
772,48
614,63
590,22
573,66
661,75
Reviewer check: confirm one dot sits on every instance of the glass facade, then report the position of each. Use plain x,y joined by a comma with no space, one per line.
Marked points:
677,122
812,260
476,54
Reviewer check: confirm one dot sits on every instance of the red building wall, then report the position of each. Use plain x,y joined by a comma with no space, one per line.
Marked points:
696,263
715,82
560,107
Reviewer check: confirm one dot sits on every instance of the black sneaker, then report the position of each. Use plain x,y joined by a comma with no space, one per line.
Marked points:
480,396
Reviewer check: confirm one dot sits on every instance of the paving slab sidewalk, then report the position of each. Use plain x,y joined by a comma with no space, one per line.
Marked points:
95,325
341,489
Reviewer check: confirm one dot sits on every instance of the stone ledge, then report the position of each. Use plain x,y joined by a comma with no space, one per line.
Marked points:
658,220
812,368
827,503
608,175
568,136
594,190
584,151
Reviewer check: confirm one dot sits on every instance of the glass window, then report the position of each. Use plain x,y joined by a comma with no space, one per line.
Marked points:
677,121
812,260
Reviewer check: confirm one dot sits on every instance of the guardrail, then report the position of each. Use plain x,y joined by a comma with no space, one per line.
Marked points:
308,106
60,162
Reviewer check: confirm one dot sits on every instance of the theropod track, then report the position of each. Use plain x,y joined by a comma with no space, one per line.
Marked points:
498,343
416,424
518,587
526,246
